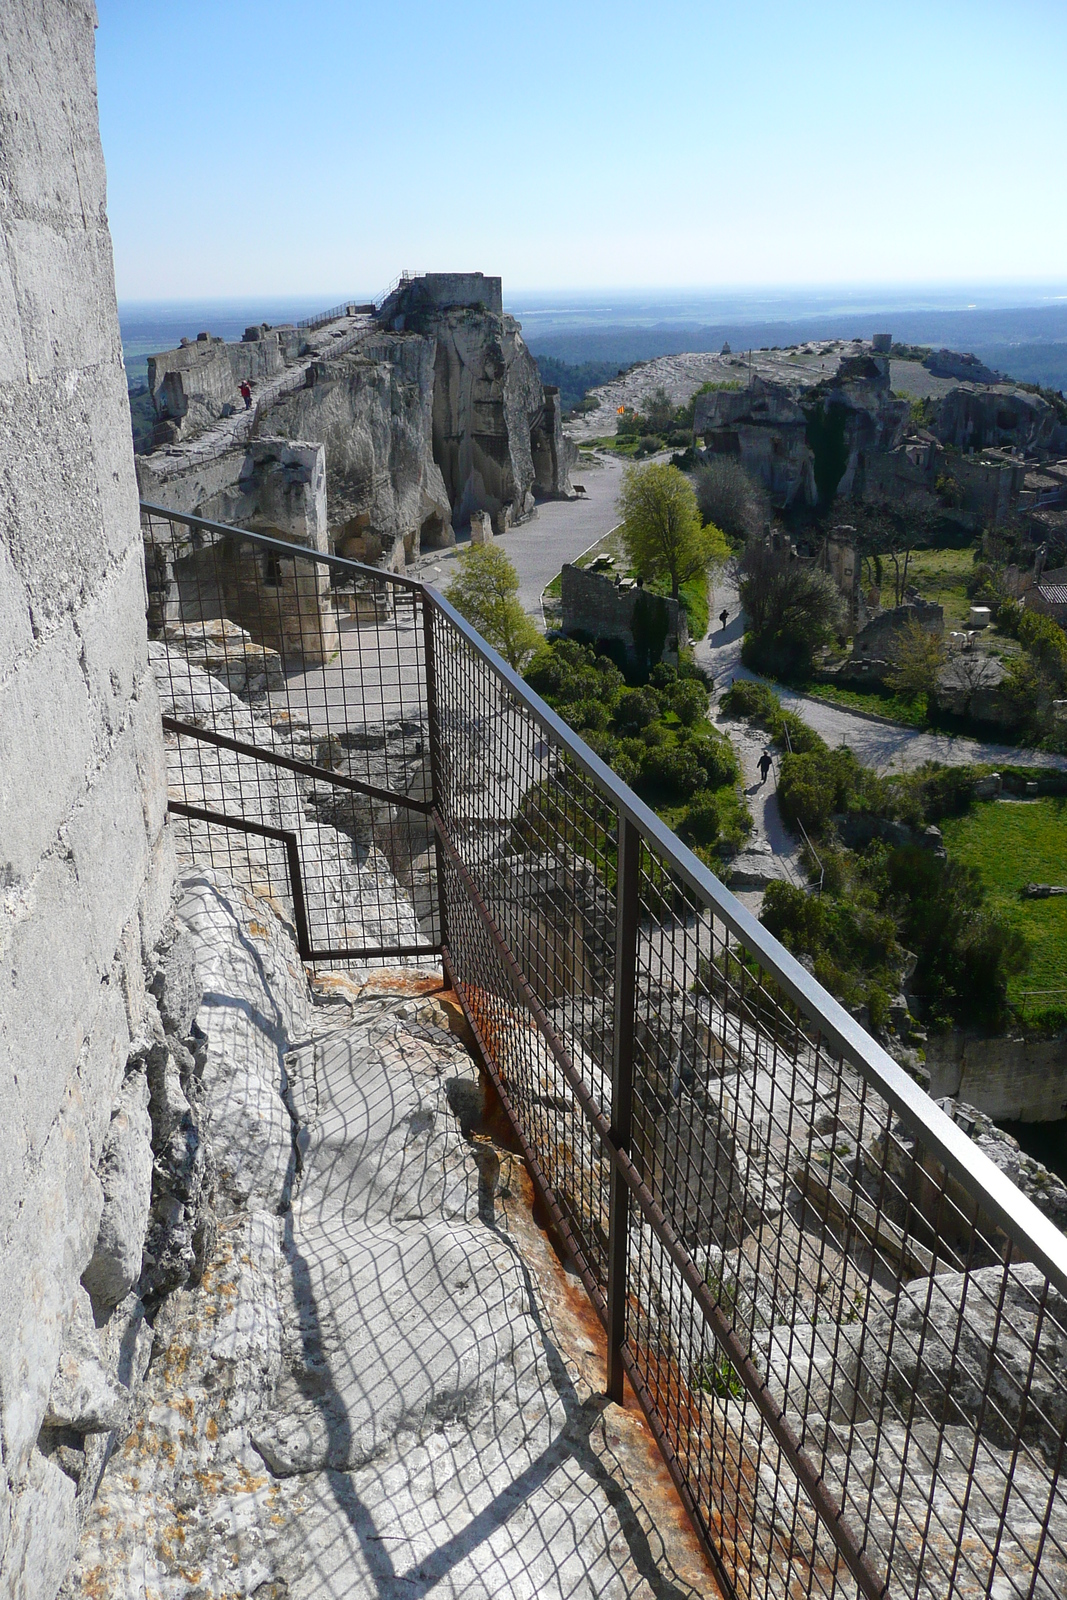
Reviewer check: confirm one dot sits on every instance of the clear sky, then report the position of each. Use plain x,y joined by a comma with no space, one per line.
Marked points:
270,148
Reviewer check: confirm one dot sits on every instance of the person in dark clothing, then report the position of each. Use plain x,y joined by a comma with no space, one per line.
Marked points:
723,615
764,766
246,394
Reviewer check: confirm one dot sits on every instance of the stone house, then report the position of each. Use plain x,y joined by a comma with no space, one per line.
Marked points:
1048,595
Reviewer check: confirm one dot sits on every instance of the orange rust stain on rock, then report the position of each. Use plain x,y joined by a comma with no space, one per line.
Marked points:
211,1429
382,981
659,1490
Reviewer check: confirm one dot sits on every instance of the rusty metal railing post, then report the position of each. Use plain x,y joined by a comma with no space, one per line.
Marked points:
622,1081
436,788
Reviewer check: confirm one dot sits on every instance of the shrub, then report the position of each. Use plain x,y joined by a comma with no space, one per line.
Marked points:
813,784
729,499
966,953
647,444
635,709
689,701
1046,642
671,773
591,715
701,821
747,699
718,761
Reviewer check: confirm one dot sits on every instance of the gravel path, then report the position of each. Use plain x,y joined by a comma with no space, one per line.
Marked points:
886,747
558,532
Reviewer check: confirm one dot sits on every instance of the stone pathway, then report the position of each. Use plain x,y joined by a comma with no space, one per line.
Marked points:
885,747
559,531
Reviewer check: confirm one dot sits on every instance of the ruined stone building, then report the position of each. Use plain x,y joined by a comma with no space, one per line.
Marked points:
423,411
776,429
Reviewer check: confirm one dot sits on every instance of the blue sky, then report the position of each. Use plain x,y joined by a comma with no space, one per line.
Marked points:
268,148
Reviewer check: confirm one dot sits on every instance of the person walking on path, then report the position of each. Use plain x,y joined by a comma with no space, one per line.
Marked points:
723,618
246,394
765,764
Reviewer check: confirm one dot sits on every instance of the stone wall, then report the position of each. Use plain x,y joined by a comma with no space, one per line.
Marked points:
594,606
1013,1079
85,879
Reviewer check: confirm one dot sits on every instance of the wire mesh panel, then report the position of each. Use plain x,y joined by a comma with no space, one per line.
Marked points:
530,912
293,688
848,1330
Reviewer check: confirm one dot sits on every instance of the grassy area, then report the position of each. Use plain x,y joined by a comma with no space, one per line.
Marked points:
912,713
942,575
1011,843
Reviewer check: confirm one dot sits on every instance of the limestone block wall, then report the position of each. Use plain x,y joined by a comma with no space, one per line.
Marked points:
593,606
1008,1078
85,880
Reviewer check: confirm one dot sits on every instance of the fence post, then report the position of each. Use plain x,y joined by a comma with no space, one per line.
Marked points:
435,755
622,1079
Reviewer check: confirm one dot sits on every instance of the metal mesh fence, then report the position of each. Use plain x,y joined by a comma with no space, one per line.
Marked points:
847,1329
293,690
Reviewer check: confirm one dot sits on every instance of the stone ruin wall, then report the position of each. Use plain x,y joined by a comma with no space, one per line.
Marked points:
435,414
85,872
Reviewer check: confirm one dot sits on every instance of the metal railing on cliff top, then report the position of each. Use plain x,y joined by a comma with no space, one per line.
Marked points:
846,1328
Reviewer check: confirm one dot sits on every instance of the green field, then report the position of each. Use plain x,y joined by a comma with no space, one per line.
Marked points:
940,575
1011,843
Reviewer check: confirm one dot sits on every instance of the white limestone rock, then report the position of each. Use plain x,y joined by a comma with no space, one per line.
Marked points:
125,1172
949,1340
85,1396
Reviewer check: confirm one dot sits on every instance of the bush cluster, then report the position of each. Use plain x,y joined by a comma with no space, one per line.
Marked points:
886,899
656,738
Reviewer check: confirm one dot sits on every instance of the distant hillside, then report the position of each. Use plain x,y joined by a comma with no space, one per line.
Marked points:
573,382
1029,343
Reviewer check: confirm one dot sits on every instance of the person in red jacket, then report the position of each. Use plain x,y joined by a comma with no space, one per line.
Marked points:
246,394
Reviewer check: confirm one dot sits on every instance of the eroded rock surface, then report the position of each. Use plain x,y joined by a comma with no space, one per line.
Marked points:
365,1395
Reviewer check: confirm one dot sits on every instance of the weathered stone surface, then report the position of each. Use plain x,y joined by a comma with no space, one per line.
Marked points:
125,1172
959,1336
85,1396
80,745
364,1388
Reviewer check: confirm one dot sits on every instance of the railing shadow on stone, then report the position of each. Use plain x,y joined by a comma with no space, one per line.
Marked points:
847,1328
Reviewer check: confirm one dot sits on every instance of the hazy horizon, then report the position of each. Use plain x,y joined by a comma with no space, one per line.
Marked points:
1021,330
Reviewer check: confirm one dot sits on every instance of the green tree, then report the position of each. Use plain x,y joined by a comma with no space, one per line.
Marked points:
485,590
791,606
918,657
661,527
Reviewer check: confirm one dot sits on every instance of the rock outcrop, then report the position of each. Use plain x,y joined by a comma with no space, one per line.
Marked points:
430,410
367,1390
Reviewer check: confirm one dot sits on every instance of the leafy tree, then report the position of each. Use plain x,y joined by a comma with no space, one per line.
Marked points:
918,657
485,590
729,499
661,527
792,607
